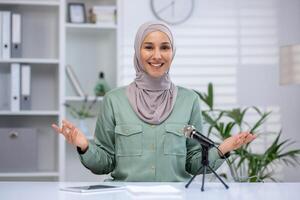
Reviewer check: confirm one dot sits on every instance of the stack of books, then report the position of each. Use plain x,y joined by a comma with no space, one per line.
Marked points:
104,14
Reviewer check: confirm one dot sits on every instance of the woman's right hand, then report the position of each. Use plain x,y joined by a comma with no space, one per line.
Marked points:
72,134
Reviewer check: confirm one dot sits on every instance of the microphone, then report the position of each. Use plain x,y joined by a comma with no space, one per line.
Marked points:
191,132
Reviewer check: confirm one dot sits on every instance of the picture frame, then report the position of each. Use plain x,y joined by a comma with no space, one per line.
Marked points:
76,13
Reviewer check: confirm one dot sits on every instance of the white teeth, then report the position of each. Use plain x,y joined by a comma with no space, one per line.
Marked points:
156,65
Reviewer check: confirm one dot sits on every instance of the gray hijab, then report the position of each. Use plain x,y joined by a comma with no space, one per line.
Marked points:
151,98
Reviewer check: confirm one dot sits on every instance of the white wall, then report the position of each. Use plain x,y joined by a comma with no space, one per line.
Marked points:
289,96
255,77
250,84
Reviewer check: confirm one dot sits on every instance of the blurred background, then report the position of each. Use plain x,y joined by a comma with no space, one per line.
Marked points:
59,57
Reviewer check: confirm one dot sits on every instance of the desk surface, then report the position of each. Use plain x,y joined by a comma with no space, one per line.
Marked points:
245,191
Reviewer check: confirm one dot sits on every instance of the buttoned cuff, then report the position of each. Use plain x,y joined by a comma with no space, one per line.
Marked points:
88,154
226,155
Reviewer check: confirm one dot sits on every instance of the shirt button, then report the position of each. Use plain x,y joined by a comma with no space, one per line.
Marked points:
152,126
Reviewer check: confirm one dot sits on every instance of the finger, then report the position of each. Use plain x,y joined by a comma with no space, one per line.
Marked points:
74,135
68,138
245,137
250,138
68,124
241,140
66,128
244,134
65,124
238,142
56,128
65,131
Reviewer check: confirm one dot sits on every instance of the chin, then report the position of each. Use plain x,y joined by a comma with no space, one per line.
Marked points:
156,75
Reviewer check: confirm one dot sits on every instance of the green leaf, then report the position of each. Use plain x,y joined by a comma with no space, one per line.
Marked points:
208,98
237,115
260,122
208,119
210,95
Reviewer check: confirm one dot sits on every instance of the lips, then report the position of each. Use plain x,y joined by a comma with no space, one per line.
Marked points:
156,64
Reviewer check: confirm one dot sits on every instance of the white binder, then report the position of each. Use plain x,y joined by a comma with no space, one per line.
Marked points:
15,87
1,34
6,34
16,36
25,98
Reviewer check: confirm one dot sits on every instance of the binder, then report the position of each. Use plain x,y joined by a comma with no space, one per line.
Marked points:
74,81
1,34
15,87
16,35
25,98
6,28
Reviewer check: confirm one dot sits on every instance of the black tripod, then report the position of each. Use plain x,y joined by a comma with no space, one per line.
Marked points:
205,164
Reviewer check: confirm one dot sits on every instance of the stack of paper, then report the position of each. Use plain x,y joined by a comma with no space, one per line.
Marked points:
154,192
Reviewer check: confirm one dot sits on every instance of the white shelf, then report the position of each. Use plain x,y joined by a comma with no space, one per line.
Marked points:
30,174
29,113
91,26
56,44
30,60
31,3
76,98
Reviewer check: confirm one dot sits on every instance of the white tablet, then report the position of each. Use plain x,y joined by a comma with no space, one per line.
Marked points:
92,188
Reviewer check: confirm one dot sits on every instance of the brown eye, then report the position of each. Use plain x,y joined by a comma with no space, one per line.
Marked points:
148,47
165,47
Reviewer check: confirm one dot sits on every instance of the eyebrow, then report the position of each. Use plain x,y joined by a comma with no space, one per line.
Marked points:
161,43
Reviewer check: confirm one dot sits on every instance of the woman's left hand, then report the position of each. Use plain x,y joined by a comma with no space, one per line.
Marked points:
236,141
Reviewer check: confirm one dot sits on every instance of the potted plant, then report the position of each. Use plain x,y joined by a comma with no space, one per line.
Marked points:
244,164
82,112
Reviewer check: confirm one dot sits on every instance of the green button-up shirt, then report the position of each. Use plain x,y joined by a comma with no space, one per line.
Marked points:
133,150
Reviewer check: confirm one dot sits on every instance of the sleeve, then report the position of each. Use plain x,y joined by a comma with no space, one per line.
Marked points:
194,154
100,155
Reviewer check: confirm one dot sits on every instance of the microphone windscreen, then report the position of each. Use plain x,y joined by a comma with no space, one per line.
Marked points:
187,130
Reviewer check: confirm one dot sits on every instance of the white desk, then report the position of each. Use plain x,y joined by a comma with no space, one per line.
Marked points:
238,191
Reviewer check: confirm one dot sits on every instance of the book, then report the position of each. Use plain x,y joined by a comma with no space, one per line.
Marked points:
105,14
74,81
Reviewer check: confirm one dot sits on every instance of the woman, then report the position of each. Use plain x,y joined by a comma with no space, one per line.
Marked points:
138,134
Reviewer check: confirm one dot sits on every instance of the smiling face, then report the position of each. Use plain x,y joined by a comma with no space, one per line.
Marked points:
156,54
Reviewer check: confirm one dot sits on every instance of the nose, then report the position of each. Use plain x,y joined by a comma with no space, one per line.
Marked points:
157,54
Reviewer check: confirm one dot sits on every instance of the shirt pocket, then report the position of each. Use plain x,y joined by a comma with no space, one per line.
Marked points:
174,140
128,140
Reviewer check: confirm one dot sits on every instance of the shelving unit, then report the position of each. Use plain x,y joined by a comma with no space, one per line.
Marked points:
30,113
90,26
49,43
89,49
29,175
89,98
31,2
41,50
30,60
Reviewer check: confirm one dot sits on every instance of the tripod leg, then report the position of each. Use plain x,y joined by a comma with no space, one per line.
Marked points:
226,186
203,178
190,181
